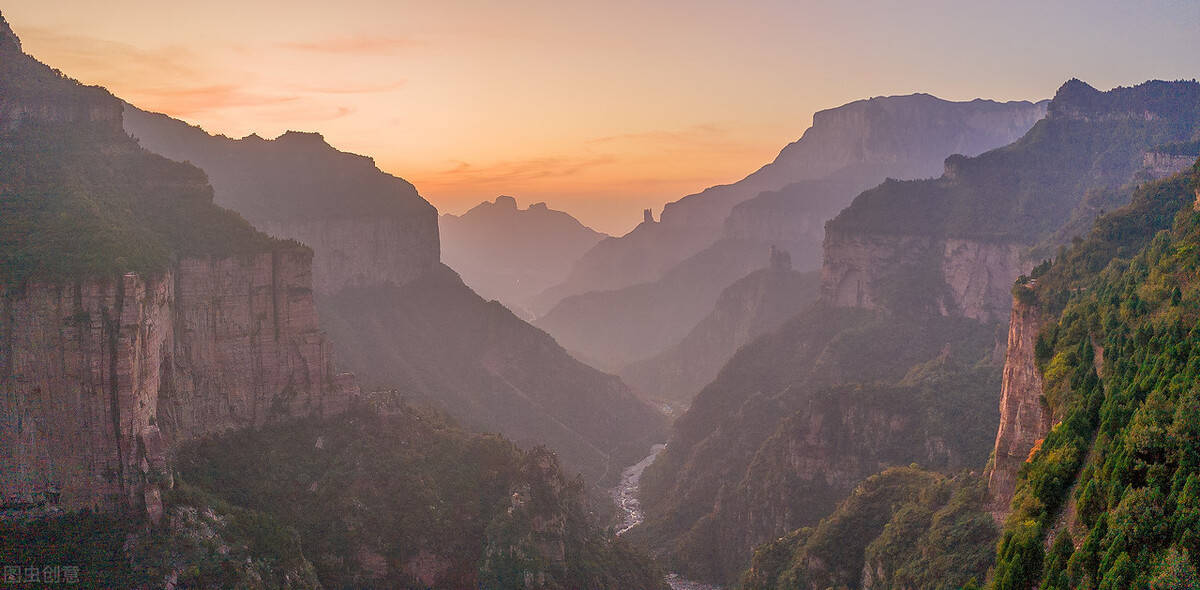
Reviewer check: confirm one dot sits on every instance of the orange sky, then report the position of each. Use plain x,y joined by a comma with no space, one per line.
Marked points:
600,108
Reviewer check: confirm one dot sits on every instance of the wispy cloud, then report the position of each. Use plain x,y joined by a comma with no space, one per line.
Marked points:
352,88
514,171
355,45
182,101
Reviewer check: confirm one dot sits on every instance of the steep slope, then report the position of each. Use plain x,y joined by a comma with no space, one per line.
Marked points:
364,226
611,329
136,313
784,205
759,303
512,254
437,340
883,536
401,317
859,144
925,265
1107,496
451,510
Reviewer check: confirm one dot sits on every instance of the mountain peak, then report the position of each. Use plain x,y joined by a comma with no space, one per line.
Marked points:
8,39
506,201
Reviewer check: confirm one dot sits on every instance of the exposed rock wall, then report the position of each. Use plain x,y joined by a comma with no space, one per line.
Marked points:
1161,165
961,277
103,375
1024,420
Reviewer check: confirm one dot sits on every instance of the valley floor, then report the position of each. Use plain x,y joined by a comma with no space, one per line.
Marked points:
626,497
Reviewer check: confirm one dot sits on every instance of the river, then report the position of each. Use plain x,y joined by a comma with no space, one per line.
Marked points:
626,497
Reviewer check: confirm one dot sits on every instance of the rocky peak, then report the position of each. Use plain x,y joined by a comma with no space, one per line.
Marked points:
506,202
647,216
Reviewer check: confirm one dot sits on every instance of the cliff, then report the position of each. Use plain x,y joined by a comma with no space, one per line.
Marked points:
365,227
756,304
959,277
1024,417
511,254
136,313
853,146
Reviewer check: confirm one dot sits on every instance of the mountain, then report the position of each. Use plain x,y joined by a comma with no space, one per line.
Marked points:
171,416
860,143
908,369
401,318
136,313
707,241
759,303
437,340
364,226
512,254
1106,493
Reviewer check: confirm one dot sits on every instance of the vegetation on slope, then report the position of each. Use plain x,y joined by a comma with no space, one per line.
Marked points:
902,528
403,499
799,417
1109,498
78,197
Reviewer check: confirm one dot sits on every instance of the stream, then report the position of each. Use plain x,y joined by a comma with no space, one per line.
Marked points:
626,497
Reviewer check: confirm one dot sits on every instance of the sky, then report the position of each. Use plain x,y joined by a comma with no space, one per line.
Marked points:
600,109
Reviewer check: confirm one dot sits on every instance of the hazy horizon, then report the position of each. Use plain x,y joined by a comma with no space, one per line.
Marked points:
599,112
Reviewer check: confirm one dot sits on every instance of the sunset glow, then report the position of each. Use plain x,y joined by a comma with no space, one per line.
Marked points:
599,109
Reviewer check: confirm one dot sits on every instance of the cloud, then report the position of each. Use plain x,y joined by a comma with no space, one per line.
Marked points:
513,171
352,88
355,45
183,101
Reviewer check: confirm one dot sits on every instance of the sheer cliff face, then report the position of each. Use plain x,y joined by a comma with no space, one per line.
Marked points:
365,227
104,372
104,368
962,277
1024,418
851,147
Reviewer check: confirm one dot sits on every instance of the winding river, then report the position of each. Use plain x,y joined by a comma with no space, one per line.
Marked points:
626,497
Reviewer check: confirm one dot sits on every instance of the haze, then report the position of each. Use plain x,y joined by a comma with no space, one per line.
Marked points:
602,109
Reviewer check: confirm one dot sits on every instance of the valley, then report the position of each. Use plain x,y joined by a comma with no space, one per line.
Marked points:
926,344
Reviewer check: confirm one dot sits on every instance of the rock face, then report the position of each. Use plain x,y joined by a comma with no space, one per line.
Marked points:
1162,164
365,227
512,254
852,147
963,277
1024,418
103,372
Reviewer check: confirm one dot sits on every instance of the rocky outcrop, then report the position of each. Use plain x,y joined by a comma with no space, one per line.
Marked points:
1024,417
1159,164
955,276
365,227
104,375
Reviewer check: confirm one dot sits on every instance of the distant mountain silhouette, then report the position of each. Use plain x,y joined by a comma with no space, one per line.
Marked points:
511,254
705,242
